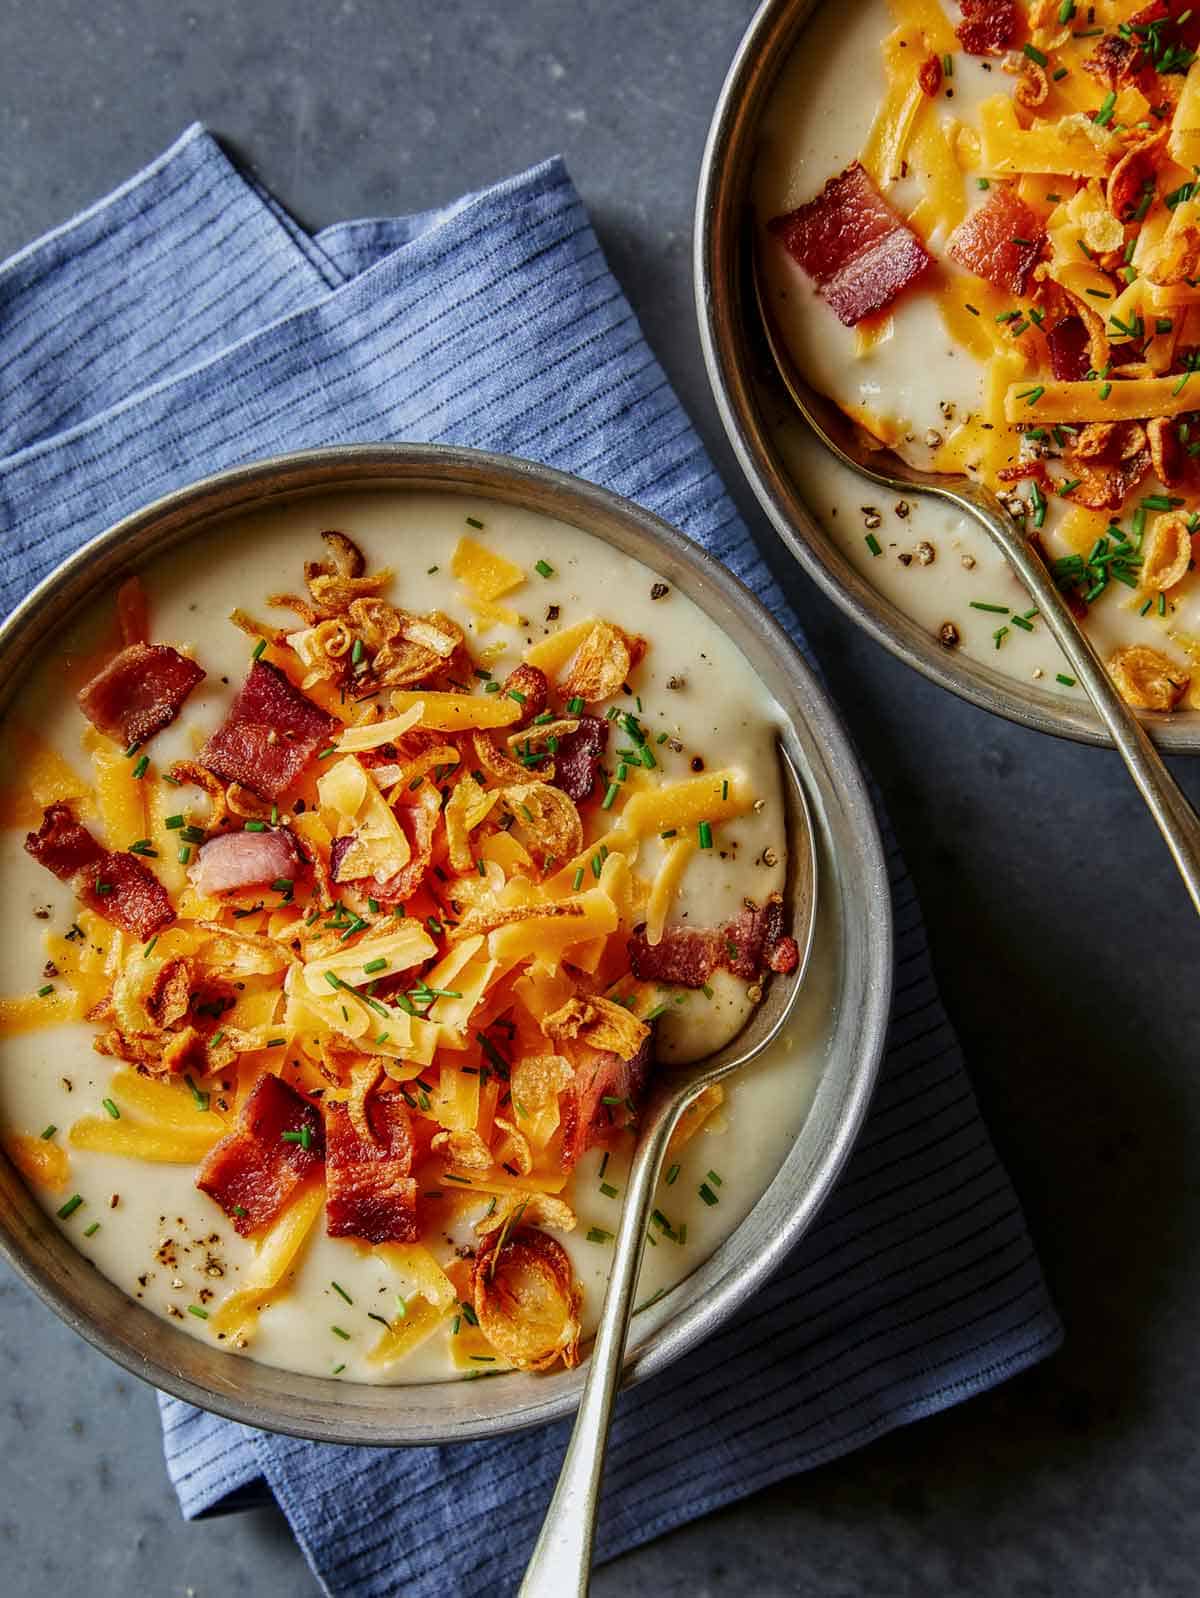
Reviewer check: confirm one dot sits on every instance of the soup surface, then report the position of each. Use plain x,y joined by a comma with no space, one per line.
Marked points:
1048,294
111,1143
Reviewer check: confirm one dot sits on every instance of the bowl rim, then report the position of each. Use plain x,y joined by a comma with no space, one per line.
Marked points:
739,367
320,1408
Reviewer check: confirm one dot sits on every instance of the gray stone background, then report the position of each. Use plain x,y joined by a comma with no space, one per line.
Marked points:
1066,950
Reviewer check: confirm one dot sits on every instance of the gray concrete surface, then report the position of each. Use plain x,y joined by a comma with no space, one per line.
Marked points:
1066,950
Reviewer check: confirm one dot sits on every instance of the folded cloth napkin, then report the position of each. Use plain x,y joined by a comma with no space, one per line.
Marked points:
186,324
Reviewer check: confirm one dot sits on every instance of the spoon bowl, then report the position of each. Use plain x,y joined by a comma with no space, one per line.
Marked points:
562,1558
1172,813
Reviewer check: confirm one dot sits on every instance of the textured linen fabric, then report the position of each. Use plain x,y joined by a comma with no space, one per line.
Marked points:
186,324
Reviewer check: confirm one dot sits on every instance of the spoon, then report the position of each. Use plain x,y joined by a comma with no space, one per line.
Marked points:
1176,819
561,1561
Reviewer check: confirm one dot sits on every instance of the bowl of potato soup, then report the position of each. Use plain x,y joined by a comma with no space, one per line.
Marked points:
377,822
971,225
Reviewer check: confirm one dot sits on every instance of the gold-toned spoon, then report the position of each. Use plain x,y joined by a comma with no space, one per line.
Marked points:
1175,818
561,1561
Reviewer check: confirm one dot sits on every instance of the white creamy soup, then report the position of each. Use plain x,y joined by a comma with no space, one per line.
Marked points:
144,1223
911,380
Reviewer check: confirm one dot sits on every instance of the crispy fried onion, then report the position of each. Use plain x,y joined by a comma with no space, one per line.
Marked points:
336,582
149,1007
1177,258
600,1023
322,649
1058,303
1167,552
246,803
467,806
253,628
1109,458
187,771
534,749
514,1152
1034,85
1166,452
243,954
406,776
495,762
1148,680
1133,176
548,816
537,1209
526,1298
602,663
466,1151
1048,32
488,919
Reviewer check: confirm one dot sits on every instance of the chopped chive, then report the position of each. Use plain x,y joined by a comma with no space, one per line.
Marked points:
49,1132
983,183
341,1292
258,649
614,789
704,830
707,1194
672,1174
185,854
543,568
1104,116
200,1098
998,610
578,881
111,1108
597,1234
90,1231
142,767
608,1190
372,966
43,992
1067,682
338,1332
65,1211
473,522
714,1179
338,1369
873,544
196,1310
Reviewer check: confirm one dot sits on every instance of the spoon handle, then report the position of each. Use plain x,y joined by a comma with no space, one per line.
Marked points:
1165,800
560,1565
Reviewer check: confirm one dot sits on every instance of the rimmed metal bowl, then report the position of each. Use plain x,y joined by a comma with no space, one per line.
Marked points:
749,396
853,888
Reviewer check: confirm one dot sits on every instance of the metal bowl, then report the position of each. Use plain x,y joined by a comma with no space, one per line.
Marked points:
857,919
749,393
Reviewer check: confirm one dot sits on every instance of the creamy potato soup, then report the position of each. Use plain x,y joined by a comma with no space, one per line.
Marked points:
356,882
980,237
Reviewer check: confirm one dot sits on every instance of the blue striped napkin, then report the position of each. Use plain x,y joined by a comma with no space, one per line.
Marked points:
186,324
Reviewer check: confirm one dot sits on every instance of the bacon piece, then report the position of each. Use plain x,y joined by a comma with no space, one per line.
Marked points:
600,1074
139,692
254,1171
114,884
578,757
929,75
1114,61
853,245
999,242
61,844
987,26
419,822
271,732
687,956
749,935
1070,350
242,859
783,956
370,1191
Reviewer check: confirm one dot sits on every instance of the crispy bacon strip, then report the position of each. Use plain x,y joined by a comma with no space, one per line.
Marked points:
1070,350
370,1191
114,884
254,1171
600,1074
686,957
578,757
999,242
270,734
139,692
987,26
853,245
